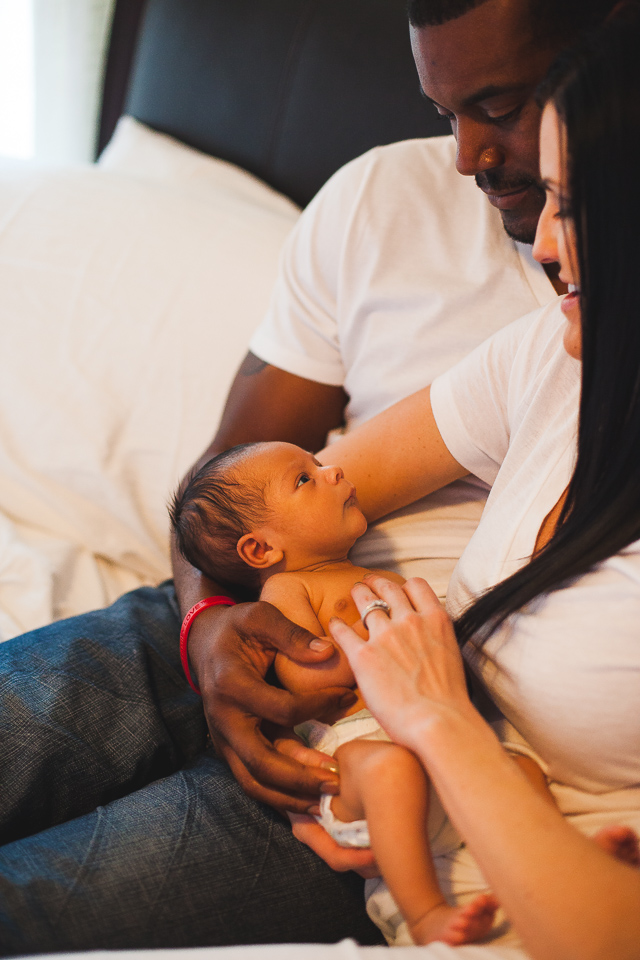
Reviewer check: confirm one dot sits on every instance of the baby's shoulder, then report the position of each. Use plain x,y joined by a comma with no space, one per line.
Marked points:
280,584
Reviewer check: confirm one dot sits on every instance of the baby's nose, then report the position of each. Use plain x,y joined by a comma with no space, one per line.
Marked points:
334,474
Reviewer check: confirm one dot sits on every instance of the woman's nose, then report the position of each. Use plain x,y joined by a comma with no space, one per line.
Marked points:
545,245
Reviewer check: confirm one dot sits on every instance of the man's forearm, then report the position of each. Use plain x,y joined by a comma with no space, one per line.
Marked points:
191,585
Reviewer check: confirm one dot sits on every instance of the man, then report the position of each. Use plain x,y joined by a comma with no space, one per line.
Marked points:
96,713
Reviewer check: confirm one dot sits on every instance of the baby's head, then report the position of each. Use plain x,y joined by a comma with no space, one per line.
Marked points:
261,508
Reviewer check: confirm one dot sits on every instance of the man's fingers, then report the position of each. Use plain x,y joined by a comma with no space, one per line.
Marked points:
280,633
317,703
306,755
273,798
274,771
260,699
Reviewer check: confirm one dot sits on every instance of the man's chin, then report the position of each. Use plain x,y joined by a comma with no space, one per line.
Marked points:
522,229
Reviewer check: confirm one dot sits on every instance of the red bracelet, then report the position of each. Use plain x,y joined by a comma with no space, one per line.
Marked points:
186,626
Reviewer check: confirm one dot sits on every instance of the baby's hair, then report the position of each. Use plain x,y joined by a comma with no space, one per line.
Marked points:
217,506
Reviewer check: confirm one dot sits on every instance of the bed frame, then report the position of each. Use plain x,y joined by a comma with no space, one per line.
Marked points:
290,90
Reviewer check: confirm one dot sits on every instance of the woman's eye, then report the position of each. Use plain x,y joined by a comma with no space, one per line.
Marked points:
563,212
303,478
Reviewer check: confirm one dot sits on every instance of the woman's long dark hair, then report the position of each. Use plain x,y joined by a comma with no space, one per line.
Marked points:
596,92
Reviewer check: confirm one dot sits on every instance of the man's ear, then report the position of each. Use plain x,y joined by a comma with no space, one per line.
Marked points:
256,552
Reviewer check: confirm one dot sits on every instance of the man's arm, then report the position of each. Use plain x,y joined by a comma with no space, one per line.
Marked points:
231,649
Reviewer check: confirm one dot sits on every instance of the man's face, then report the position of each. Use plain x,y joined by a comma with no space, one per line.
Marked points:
480,71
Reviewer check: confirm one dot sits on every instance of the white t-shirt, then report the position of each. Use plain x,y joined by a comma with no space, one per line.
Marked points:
566,671
396,270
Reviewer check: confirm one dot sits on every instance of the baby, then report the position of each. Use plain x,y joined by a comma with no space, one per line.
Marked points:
269,516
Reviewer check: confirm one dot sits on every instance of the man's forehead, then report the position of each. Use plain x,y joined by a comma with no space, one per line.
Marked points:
489,48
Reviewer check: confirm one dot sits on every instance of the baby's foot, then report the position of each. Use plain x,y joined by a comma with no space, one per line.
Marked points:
621,842
456,925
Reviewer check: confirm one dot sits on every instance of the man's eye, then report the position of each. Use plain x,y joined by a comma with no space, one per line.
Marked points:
506,117
303,478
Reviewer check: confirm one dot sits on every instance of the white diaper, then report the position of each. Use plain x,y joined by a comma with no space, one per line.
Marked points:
445,841
354,834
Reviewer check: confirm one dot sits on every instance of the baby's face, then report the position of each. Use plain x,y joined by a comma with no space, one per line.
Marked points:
313,512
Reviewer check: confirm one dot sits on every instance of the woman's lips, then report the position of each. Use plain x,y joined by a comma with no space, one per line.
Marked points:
570,305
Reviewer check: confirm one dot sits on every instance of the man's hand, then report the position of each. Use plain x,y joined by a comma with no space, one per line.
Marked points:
230,652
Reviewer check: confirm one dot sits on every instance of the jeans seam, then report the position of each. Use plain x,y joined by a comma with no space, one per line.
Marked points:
187,817
82,870
249,892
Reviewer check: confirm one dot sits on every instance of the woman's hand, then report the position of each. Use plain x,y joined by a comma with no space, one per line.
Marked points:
310,832
410,671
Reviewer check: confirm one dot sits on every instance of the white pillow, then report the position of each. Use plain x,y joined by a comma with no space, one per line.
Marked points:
141,152
128,294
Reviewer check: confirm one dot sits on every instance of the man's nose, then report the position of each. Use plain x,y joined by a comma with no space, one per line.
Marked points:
477,151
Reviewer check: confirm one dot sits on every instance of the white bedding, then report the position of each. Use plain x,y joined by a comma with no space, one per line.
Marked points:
346,950
128,293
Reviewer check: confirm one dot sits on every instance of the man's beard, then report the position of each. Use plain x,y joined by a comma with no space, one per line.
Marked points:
517,225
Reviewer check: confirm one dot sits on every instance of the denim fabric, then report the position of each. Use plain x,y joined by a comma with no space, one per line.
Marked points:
119,829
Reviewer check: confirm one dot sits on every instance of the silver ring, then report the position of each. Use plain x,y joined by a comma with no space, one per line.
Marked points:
375,605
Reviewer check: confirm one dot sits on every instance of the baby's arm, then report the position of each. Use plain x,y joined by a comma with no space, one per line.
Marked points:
289,594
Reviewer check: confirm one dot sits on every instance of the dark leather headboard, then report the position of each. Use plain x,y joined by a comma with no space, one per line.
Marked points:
288,89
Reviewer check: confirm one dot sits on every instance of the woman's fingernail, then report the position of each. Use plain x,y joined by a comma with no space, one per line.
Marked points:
314,810
319,645
330,765
330,787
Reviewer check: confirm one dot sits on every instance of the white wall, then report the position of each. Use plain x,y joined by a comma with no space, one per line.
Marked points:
17,131
54,53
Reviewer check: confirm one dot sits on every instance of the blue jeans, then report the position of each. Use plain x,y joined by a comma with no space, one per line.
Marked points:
118,828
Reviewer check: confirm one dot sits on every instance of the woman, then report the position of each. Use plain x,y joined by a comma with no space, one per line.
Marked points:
554,567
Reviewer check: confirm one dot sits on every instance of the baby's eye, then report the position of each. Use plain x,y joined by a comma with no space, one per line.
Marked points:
303,478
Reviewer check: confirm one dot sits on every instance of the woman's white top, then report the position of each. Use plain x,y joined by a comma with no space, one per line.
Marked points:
565,672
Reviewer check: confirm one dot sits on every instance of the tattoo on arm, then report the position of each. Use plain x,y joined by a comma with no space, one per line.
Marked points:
251,365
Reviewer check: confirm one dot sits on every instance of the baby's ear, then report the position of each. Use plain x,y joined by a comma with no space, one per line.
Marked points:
256,552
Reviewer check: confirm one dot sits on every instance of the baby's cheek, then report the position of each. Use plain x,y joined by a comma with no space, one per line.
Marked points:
302,678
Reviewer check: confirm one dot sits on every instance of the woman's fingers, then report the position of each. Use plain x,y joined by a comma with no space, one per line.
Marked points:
309,831
376,588
345,637
421,596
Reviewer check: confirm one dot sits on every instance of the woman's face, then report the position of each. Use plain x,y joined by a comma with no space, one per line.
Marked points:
555,236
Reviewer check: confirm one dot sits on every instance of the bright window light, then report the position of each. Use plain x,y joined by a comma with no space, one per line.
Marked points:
16,79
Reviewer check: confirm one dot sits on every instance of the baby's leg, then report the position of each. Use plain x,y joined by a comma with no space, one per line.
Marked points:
385,784
621,842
